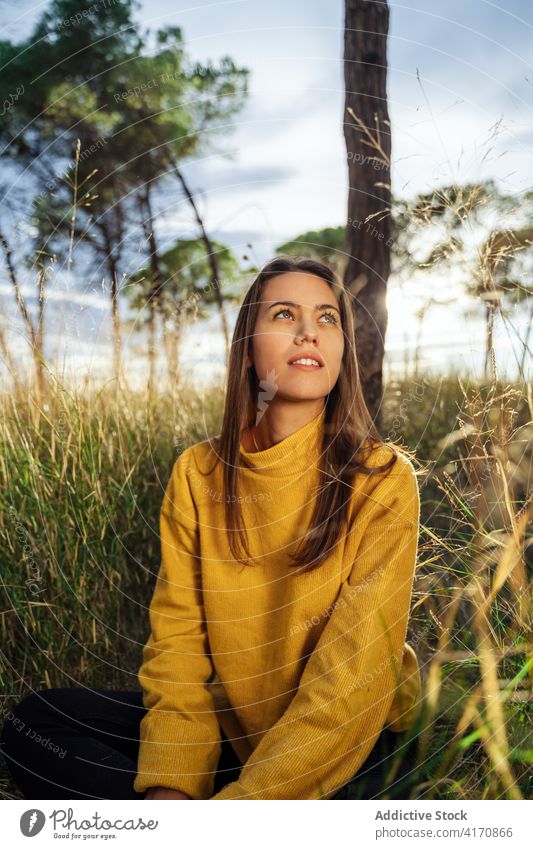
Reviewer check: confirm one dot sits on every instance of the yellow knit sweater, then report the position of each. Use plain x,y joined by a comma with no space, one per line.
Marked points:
301,670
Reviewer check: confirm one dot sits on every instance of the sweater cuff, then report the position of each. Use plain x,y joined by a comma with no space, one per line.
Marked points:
188,766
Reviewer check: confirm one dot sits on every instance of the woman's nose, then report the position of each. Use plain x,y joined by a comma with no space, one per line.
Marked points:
307,331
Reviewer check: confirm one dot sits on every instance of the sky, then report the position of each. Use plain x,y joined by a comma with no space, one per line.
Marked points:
460,88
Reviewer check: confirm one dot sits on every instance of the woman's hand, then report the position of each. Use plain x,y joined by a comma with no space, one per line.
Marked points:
164,793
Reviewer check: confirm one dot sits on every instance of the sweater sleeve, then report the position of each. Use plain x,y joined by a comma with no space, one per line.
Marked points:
179,734
347,687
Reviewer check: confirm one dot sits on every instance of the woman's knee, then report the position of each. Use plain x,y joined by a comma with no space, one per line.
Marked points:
29,712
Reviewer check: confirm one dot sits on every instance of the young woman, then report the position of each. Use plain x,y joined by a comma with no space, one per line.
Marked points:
276,666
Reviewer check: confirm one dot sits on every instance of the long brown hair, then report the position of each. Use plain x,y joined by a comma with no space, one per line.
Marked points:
346,417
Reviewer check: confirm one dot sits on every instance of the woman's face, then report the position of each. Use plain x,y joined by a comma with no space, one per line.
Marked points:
278,333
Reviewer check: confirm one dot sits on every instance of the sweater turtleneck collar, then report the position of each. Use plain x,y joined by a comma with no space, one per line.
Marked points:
293,455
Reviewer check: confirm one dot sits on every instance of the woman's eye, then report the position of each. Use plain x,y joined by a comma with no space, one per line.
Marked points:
329,314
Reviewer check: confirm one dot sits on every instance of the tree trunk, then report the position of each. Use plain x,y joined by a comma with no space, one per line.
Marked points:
421,317
522,372
172,352
38,352
117,341
112,268
490,359
154,298
210,251
35,335
212,260
368,144
9,361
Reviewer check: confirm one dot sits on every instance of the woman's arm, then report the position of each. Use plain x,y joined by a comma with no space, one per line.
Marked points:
179,734
349,682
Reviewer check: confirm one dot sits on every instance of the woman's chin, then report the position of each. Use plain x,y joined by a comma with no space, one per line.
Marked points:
301,393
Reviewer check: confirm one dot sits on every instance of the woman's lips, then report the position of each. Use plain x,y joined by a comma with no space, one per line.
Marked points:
305,367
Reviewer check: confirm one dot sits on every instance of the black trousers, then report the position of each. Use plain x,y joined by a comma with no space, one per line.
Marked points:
77,743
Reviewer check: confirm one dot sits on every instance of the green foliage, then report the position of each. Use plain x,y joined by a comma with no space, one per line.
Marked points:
136,107
186,273
326,245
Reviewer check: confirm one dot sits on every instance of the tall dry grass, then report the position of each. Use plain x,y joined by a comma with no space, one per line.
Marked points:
472,611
